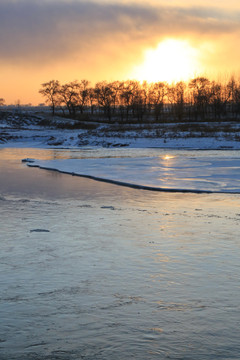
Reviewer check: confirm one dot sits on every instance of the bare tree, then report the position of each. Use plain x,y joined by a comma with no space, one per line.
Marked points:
131,98
157,98
116,87
92,99
176,96
233,87
201,93
105,97
126,97
83,93
220,95
198,99
138,101
51,90
68,94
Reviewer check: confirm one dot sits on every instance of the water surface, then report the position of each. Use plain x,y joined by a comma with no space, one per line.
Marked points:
97,271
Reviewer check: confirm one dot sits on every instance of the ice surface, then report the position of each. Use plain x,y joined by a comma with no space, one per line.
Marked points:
188,171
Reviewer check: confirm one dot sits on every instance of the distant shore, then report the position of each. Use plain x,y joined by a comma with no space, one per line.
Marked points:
41,130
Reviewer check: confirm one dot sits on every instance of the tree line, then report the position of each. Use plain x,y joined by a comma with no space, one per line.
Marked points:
199,99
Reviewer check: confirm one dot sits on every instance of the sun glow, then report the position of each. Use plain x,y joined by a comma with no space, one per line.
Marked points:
173,60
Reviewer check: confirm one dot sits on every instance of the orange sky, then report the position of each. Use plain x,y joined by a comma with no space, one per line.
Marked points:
108,40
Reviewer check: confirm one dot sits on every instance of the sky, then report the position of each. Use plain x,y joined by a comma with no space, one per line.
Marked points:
97,40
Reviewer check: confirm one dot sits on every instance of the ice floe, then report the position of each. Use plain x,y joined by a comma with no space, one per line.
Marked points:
197,172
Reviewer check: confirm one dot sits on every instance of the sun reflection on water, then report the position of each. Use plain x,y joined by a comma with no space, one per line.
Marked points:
168,157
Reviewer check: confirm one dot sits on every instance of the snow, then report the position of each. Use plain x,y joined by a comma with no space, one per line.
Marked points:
75,139
21,132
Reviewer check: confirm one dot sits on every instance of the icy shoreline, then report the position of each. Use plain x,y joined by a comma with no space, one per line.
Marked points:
134,186
177,171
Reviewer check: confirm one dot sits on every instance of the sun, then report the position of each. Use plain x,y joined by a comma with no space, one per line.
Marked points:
173,60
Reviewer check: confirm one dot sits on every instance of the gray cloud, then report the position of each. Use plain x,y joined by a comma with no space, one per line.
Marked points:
46,30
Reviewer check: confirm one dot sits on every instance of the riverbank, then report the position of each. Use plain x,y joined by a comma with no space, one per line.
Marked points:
40,130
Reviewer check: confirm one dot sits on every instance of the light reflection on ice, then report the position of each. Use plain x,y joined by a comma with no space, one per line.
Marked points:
181,170
168,157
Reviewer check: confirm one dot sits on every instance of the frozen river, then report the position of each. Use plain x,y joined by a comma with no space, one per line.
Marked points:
96,271
153,168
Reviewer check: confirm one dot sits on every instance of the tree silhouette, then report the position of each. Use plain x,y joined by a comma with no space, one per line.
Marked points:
157,98
130,100
50,90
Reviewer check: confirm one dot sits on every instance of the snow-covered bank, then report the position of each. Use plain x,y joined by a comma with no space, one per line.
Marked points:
18,131
194,171
57,138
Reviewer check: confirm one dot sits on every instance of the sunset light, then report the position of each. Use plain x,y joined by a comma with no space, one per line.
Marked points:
172,60
114,40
